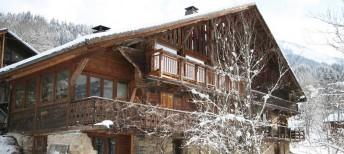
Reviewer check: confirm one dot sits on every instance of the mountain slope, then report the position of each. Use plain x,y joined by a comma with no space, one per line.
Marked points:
40,33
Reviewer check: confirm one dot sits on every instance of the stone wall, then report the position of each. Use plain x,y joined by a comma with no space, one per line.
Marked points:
144,144
24,141
79,143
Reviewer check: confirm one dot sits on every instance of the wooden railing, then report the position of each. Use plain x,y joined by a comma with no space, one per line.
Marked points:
168,65
279,132
274,101
127,115
179,68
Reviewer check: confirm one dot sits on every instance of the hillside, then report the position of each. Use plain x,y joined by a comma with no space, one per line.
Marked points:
41,33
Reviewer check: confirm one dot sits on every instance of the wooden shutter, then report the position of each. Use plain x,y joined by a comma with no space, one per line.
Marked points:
166,100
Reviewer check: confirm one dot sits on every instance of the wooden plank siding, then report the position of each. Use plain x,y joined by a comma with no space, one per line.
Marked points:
50,115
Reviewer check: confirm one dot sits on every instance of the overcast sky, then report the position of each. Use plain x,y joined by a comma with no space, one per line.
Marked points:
289,20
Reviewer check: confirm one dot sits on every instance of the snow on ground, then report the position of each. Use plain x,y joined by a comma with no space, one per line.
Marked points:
306,147
8,145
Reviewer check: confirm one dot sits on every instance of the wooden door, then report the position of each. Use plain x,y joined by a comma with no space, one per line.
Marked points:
123,144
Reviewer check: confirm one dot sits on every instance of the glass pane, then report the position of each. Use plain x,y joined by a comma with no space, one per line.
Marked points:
99,145
94,86
31,91
47,88
112,146
19,95
122,90
108,89
80,87
2,94
62,84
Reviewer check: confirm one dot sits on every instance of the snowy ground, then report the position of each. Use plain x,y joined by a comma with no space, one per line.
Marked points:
8,145
306,147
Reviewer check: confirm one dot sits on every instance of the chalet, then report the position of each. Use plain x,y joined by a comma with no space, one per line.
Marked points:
57,96
12,49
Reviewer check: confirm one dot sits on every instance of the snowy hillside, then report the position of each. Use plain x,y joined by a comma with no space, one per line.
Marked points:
39,32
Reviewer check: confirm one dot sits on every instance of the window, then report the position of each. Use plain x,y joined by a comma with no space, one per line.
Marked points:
19,95
177,146
112,146
62,84
108,89
122,90
99,145
80,87
94,86
31,91
47,88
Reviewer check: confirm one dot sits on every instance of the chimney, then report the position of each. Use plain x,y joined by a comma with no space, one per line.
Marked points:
190,10
100,28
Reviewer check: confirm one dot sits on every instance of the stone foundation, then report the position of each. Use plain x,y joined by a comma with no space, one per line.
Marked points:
79,143
24,141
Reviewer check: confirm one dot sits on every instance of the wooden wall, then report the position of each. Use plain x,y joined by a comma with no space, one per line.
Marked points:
44,116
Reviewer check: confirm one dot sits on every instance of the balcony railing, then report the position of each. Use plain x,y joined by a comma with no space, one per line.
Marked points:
279,132
274,101
127,115
168,65
179,68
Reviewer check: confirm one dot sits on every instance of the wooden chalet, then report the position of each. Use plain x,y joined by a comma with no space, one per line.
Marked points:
12,49
66,90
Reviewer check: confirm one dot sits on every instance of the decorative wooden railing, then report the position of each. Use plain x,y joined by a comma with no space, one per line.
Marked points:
279,132
127,115
176,67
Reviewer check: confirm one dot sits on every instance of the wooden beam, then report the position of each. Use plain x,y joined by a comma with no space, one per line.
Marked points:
80,67
122,50
133,95
2,50
187,36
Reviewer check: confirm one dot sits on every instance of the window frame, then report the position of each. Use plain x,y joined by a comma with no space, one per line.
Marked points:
102,78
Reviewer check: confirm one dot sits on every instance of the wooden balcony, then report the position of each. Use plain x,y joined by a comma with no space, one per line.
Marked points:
127,115
283,133
175,67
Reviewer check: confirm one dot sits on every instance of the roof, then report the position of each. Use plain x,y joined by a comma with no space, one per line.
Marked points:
108,35
19,39
143,30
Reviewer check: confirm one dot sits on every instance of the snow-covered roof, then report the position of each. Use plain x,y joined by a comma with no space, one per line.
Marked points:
97,37
335,117
20,40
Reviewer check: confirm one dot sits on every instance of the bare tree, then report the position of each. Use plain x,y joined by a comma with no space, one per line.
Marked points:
228,119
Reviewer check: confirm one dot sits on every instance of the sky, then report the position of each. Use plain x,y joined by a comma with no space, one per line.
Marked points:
289,20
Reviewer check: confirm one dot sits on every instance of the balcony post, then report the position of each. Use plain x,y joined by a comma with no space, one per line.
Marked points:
181,68
196,72
205,76
160,63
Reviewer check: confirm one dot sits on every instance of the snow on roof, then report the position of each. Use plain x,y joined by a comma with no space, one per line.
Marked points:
335,117
93,38
20,40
